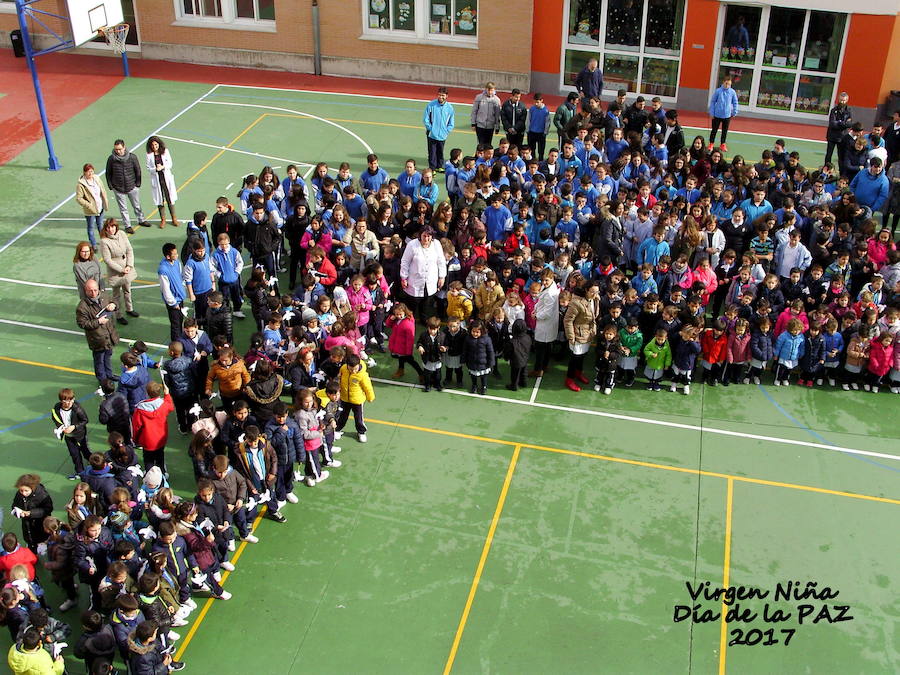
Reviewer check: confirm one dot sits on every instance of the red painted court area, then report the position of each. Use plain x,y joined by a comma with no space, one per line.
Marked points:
71,82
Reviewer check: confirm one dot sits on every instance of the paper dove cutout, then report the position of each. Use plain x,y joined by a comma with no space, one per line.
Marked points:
198,579
320,414
265,496
241,438
42,549
196,410
136,471
287,316
147,533
17,512
58,432
206,524
99,391
251,504
319,377
252,366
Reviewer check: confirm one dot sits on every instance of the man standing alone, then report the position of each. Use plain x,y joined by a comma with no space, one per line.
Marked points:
94,316
513,114
439,120
123,176
486,114
839,120
589,82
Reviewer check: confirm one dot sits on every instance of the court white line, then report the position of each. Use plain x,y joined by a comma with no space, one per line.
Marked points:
662,423
39,284
534,390
55,219
242,152
138,144
292,112
68,331
229,186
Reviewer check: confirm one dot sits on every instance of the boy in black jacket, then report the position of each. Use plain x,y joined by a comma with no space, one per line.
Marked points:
431,348
518,349
114,412
219,319
70,424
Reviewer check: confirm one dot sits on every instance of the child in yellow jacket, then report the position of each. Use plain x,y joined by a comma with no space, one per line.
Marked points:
459,302
355,389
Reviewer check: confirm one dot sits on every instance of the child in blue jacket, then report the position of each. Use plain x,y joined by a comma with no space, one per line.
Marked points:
286,439
834,349
789,349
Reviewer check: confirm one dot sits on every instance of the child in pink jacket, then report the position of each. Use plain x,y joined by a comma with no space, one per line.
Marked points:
881,359
403,338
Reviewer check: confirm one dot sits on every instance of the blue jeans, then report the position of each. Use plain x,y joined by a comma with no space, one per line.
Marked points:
102,364
93,222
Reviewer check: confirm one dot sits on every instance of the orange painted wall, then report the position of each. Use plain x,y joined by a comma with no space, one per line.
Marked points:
891,78
865,55
699,29
546,42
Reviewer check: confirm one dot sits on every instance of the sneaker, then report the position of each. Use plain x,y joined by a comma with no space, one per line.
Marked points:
298,475
239,315
370,363
607,391
746,380
129,230
173,636
687,389
231,545
819,382
191,603
217,576
68,604
876,389
657,387
291,497
225,596
830,381
597,387
800,383
337,435
854,386
895,390
725,383
176,665
122,321
362,438
250,539
809,384
277,516
178,621
777,383
649,386
227,566
310,481
845,387
755,380
866,387
710,147
323,476
335,464
335,449
73,476
723,147
281,503
132,313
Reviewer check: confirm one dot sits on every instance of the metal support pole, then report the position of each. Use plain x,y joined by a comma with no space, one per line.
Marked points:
52,161
125,69
317,43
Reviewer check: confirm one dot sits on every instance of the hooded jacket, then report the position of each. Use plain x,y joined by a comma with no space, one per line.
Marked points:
40,505
287,443
519,345
150,423
122,627
134,385
92,550
145,659
263,395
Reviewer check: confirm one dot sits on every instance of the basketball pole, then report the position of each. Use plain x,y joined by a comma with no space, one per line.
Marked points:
52,160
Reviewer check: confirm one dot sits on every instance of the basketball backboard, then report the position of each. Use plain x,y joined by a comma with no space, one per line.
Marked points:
87,16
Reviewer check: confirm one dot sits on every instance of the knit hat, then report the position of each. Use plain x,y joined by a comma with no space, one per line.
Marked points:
118,519
153,478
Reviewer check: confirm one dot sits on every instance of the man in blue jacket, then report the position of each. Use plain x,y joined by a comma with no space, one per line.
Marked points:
171,285
439,120
589,82
871,187
722,107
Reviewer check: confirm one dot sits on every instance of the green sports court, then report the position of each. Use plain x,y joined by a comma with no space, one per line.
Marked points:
535,531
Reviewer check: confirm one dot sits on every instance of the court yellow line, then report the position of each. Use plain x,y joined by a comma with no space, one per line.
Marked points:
46,365
649,465
209,602
486,549
726,574
377,124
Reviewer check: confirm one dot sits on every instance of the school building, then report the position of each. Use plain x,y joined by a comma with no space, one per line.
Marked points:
788,58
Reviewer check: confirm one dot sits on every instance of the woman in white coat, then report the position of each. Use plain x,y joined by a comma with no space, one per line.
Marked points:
423,269
546,314
159,168
115,246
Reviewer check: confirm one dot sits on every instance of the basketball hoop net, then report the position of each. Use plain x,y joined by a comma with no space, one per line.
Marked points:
115,36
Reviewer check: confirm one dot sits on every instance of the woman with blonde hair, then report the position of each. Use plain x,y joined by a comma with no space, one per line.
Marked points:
91,197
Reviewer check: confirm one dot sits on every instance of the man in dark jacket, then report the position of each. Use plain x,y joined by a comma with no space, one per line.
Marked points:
839,120
123,177
672,133
636,116
229,221
94,315
561,117
512,118
114,412
589,81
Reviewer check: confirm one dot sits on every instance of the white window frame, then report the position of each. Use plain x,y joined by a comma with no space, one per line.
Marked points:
600,51
228,21
758,67
420,34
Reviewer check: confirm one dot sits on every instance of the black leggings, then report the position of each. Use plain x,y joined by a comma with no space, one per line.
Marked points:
576,365
403,360
542,355
478,382
716,121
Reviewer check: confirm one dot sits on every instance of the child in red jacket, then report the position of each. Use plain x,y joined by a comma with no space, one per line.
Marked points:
881,358
403,338
714,348
150,425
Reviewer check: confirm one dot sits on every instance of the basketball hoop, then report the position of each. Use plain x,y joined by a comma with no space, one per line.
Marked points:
115,36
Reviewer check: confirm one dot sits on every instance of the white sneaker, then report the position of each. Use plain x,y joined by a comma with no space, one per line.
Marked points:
362,438
281,504
673,387
370,363
231,545
183,612
755,380
323,476
819,382
854,386
687,390
895,390
746,380
596,387
225,595
239,314
178,621
866,387
251,539
67,605
607,391
335,463
217,576
777,383
291,497
173,636
875,390
335,449
337,435
190,603
298,475
845,387
310,481
830,381
227,566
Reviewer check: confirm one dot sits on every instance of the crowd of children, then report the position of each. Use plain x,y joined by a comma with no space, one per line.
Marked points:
666,261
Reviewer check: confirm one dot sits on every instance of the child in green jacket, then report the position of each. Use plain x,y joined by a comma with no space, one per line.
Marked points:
658,354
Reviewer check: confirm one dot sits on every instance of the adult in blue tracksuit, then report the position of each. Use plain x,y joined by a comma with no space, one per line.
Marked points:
537,126
171,286
286,439
871,186
197,277
722,107
227,264
439,120
589,81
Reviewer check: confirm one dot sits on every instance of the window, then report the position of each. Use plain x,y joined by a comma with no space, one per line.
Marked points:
421,20
787,57
637,41
240,14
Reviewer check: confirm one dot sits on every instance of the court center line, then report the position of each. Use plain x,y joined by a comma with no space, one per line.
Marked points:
726,574
649,465
486,549
71,196
663,423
